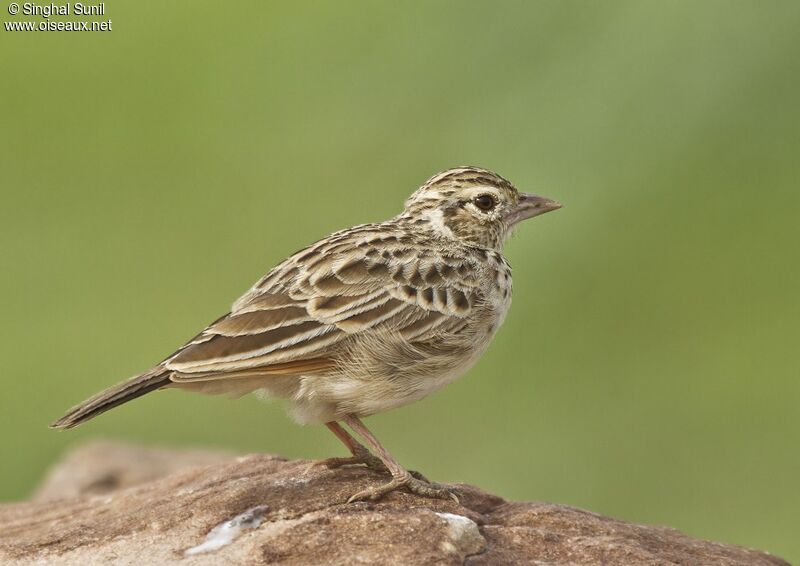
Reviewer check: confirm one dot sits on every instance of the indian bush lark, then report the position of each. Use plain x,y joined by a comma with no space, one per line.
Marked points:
363,321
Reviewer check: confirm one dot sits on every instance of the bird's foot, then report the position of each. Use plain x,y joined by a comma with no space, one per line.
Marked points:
410,483
362,456
366,458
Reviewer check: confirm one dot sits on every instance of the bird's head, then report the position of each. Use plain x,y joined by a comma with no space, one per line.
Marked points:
473,205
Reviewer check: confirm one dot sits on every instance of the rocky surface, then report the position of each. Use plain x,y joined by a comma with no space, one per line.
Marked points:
126,505
103,467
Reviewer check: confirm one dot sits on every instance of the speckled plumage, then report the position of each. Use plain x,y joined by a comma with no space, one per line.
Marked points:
365,320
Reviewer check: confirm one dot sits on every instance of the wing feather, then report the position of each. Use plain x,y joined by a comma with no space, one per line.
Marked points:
258,322
300,316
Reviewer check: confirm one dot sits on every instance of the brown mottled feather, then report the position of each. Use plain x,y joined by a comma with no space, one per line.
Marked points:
341,286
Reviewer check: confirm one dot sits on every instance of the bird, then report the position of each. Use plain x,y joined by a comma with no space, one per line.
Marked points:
365,320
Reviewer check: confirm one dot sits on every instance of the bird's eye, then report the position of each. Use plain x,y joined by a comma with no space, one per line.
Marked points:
484,202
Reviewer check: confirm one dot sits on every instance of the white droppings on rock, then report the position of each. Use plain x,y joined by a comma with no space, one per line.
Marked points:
465,537
225,533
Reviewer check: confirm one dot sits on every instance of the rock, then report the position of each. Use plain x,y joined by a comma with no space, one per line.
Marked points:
210,508
101,467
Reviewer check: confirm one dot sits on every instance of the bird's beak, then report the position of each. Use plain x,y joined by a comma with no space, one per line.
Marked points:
529,206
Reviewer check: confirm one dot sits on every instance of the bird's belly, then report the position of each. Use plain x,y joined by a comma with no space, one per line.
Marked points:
364,390
328,398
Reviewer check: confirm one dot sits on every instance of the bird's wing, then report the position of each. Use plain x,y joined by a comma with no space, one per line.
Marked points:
296,319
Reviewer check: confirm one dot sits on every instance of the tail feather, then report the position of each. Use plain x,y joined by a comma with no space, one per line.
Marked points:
114,396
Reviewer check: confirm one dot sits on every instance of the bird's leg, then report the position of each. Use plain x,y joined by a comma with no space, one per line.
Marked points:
401,478
360,453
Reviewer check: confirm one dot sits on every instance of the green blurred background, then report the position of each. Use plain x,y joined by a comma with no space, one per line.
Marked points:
649,366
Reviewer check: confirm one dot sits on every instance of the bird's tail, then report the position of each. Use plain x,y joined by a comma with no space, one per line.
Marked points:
121,393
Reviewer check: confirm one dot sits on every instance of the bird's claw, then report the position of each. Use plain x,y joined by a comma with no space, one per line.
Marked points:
409,483
361,457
